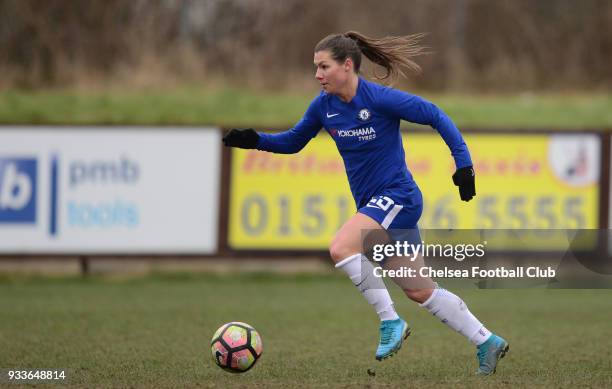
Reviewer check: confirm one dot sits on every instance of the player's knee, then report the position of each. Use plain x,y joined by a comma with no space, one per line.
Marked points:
418,295
338,251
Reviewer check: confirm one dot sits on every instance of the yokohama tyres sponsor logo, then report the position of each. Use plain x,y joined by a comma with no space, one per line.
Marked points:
357,132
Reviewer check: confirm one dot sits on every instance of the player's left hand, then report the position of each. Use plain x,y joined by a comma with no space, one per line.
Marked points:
464,179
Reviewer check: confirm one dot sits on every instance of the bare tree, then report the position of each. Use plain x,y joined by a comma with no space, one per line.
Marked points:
476,44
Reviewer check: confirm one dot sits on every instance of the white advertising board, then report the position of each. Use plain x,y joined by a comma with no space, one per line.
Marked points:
109,190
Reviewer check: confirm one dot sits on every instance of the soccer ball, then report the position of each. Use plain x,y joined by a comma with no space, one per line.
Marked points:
236,347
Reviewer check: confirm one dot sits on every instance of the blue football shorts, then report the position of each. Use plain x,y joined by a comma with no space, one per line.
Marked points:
397,211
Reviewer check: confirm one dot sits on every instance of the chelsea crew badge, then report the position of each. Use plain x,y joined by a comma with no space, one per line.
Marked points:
364,114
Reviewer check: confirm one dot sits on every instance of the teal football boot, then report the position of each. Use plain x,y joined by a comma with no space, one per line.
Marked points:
489,353
392,334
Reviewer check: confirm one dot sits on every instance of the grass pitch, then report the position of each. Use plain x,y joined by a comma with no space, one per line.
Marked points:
317,331
263,110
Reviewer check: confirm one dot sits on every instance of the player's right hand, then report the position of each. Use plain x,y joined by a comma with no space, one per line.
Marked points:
244,139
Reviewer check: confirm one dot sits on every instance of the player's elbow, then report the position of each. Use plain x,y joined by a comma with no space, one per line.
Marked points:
295,148
299,148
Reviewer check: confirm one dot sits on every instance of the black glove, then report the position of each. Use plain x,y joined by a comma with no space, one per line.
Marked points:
464,179
244,139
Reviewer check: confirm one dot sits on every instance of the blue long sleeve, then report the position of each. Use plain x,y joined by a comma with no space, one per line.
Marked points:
294,140
415,109
366,131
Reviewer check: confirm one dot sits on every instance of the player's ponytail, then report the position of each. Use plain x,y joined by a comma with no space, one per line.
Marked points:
393,53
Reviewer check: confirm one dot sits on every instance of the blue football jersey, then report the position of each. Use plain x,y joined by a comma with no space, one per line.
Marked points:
367,133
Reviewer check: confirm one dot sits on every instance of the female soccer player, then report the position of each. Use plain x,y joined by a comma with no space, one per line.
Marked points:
363,118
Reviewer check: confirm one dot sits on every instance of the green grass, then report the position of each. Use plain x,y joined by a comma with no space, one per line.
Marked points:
317,331
233,107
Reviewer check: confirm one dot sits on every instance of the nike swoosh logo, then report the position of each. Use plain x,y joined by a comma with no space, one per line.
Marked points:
332,115
362,281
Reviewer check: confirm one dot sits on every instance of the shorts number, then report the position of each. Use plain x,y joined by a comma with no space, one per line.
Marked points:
382,202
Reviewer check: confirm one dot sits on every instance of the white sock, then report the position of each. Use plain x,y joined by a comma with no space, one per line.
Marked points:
453,312
361,273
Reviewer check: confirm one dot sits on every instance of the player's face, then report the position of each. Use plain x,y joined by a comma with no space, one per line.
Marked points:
331,75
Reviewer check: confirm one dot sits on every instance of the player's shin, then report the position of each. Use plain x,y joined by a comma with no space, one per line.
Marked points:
453,312
361,273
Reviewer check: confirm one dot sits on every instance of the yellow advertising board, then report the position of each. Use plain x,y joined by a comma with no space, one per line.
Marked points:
298,201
